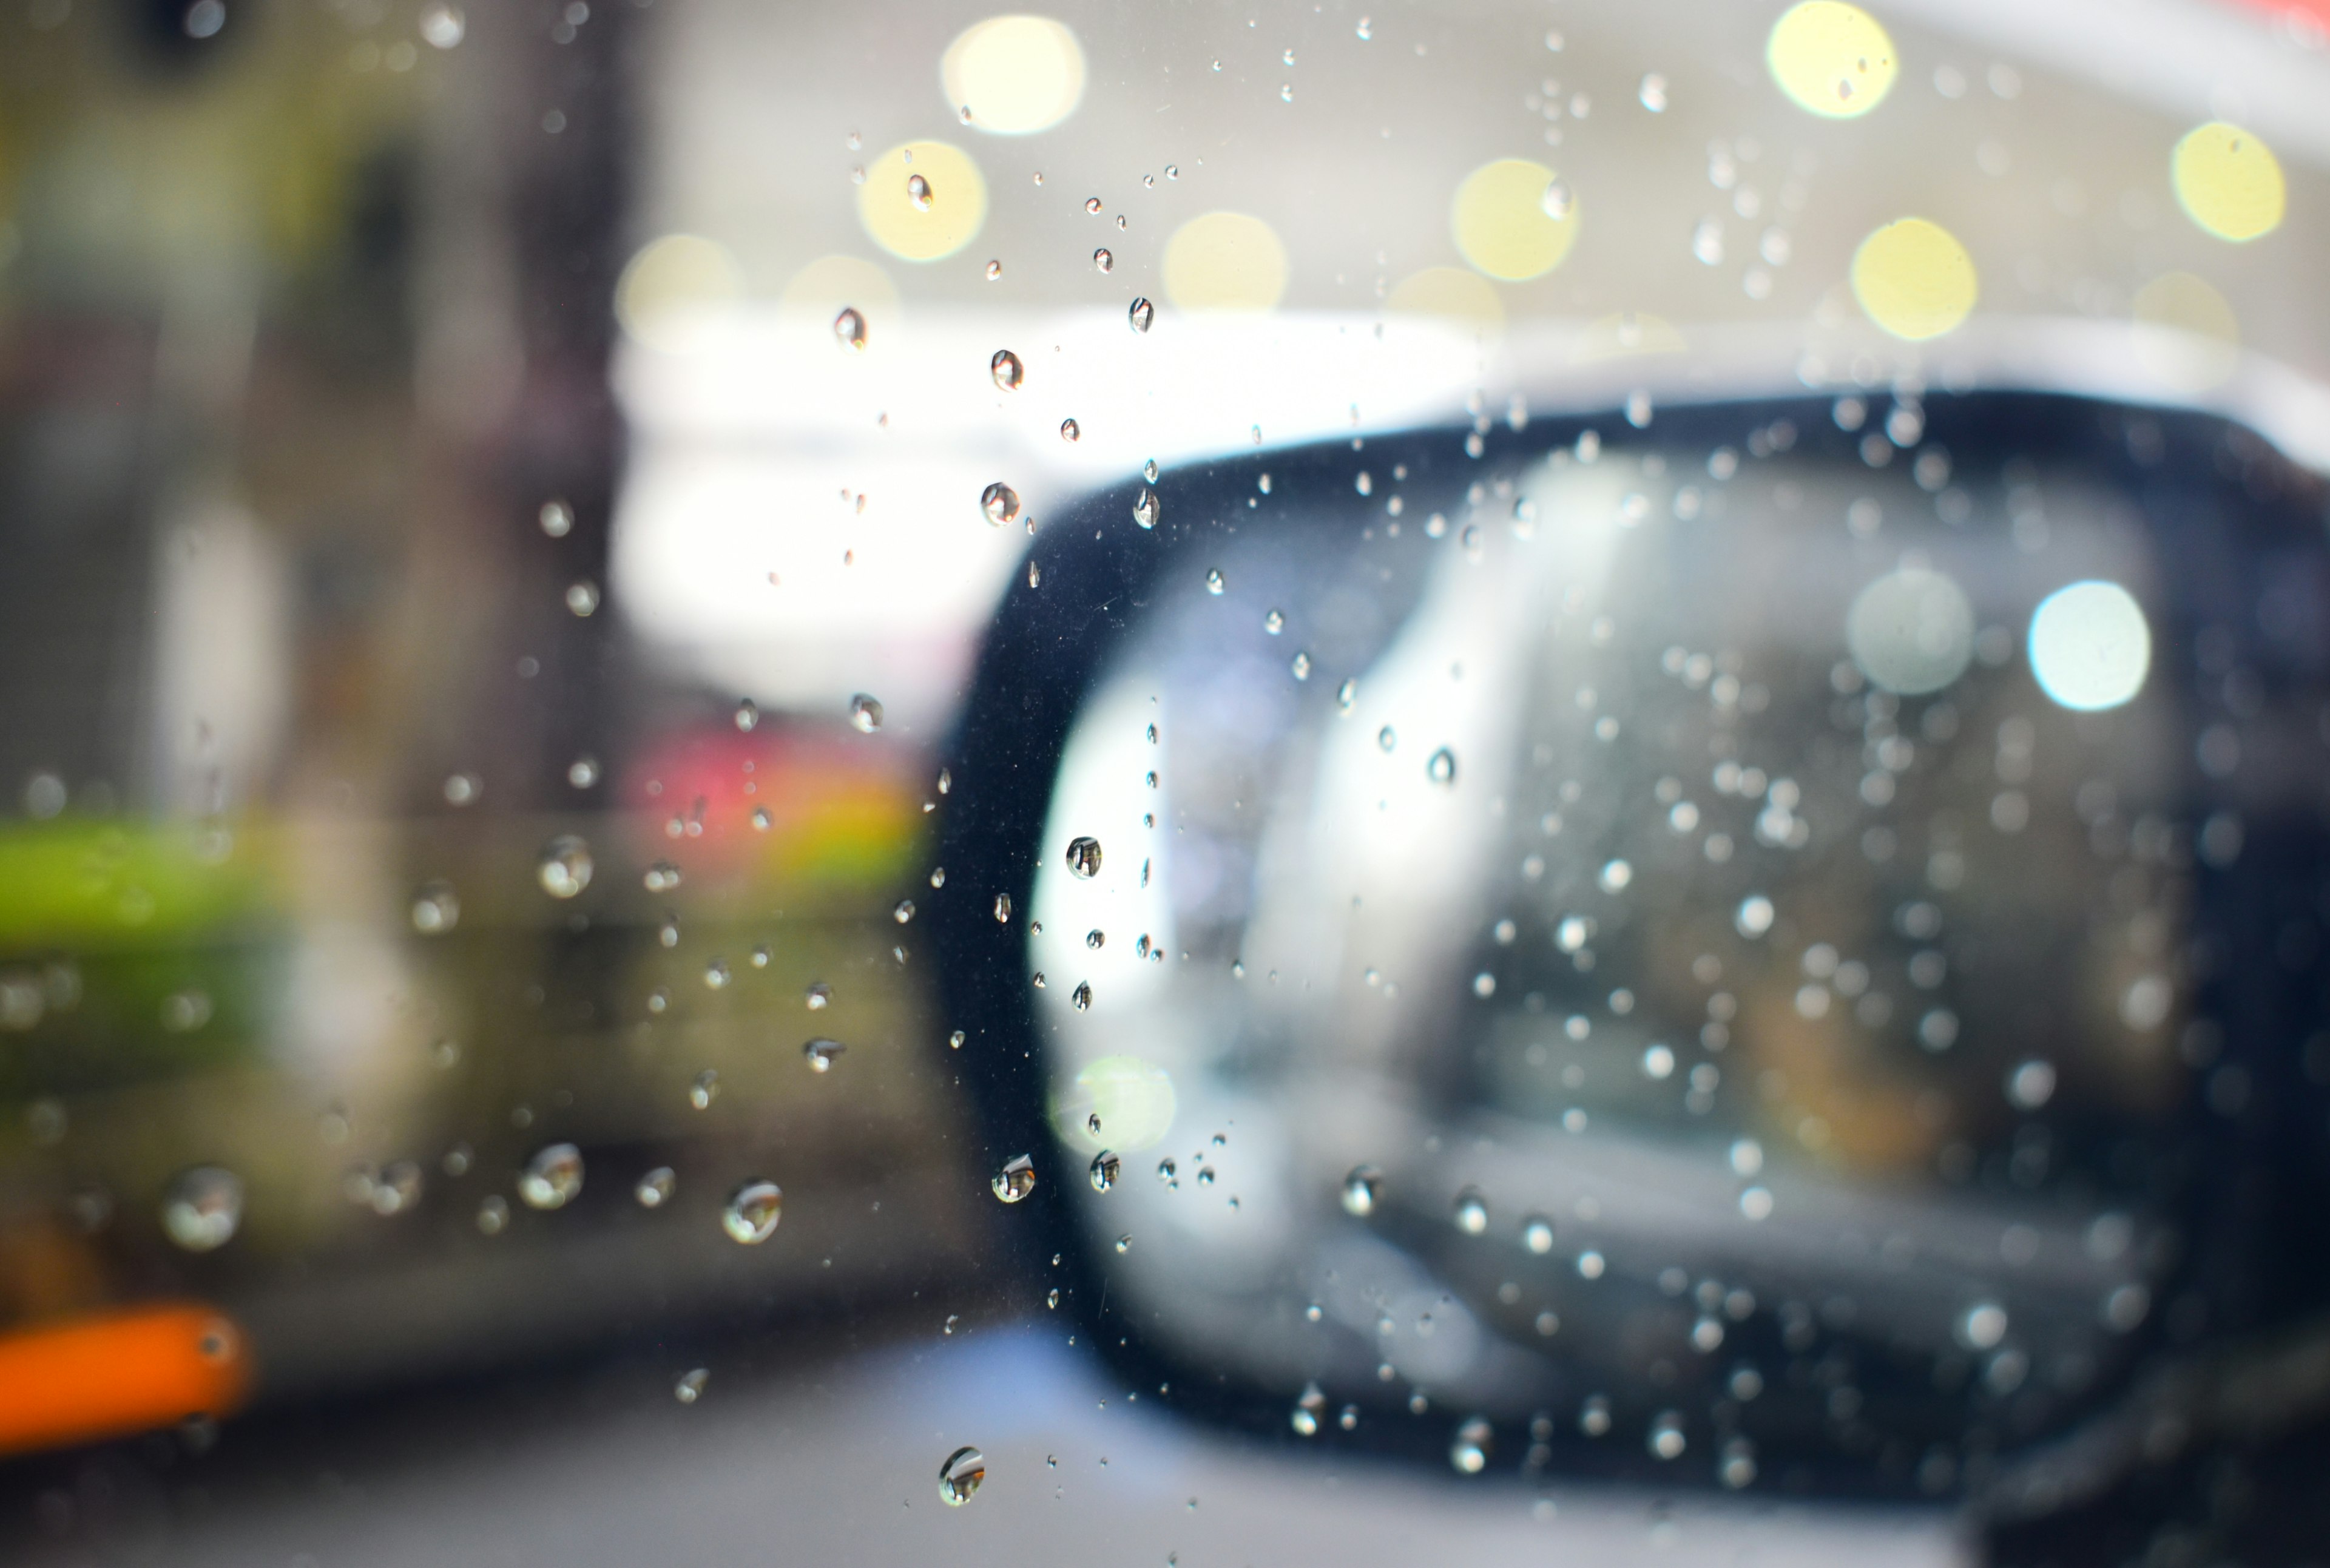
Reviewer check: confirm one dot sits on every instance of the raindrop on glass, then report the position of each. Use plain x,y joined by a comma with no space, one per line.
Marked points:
705,1089
1146,508
864,714
1104,1169
1070,430
1471,1212
202,1208
1081,997
565,868
1361,1190
850,329
1142,314
961,1476
1555,201
918,192
552,1178
1000,502
1016,1180
1468,1453
689,1387
655,1189
752,1211
1101,261
1441,767
1008,371
821,1053
1083,855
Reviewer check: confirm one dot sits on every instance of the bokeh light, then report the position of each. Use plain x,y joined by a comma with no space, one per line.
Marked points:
922,222
2090,648
2228,181
1914,279
1015,75
1134,1098
672,280
1832,59
1225,261
1912,631
831,284
1451,293
2186,333
1501,223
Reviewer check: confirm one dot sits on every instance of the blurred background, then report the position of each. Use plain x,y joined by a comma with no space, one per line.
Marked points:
501,507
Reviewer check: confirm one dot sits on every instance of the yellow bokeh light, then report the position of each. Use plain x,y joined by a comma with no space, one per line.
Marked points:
922,201
2186,334
1016,74
831,283
1914,279
1225,261
672,280
2227,181
1832,59
1501,224
1454,294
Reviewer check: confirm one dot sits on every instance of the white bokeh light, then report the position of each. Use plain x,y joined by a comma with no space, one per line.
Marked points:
2090,648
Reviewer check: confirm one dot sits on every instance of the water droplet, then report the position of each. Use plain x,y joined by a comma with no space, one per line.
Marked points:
1468,1454
850,329
493,1215
1070,430
553,1177
1146,508
1537,1234
817,997
1003,908
1754,915
1361,1191
1441,767
655,1189
1653,94
1299,665
565,870
1366,29
1000,502
1123,1244
705,1089
918,192
1101,261
1165,1171
661,877
1091,205
1215,582
1081,997
583,598
1016,1180
1666,1440
821,1053
202,1208
557,519
584,773
436,909
690,1386
864,714
994,270
1471,1212
961,1476
1387,737
752,1211
716,975
1556,202
1141,314
1083,855
1104,1168
1308,1406
1008,371
1346,696
748,716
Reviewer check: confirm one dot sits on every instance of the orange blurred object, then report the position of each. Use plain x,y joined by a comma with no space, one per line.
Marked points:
120,1373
